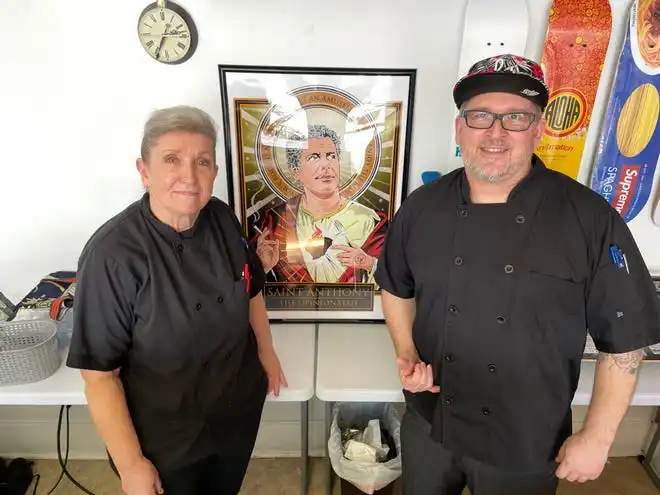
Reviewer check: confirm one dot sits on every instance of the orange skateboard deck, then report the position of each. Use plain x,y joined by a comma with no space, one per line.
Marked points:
576,43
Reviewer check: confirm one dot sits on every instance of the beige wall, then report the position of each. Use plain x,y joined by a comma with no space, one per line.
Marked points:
31,432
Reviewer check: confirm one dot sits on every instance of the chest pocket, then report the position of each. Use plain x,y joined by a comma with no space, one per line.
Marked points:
553,302
551,285
227,320
224,318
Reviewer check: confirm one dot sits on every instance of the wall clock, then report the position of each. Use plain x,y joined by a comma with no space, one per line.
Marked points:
167,32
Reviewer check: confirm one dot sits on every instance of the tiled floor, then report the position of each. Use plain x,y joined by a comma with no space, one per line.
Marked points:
623,476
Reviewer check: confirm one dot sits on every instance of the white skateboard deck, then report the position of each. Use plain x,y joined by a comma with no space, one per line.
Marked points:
656,208
490,28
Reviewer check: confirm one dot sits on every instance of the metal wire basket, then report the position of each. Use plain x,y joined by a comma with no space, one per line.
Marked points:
28,351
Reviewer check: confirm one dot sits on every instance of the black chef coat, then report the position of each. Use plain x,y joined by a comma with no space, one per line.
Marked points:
171,309
504,296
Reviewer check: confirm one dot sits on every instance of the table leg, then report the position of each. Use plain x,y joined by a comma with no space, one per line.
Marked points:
650,454
304,447
328,423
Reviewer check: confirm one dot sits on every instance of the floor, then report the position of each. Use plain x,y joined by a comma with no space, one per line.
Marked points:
623,476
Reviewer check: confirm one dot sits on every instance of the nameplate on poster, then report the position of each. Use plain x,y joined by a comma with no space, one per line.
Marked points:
319,297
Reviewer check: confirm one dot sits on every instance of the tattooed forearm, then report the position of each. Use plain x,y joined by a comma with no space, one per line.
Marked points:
627,361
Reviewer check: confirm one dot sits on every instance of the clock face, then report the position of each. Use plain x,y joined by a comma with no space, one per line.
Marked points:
165,35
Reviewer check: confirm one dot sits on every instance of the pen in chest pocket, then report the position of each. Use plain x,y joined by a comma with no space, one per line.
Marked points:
618,257
246,277
246,267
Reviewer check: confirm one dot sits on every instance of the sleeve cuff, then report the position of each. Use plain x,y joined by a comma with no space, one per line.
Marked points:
621,348
86,362
405,293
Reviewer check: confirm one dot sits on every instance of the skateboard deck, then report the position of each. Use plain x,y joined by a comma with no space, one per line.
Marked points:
656,210
628,154
490,28
576,43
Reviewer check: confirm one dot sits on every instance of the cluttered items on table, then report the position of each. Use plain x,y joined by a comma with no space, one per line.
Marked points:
34,331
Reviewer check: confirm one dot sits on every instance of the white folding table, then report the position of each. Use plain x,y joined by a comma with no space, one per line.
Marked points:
294,343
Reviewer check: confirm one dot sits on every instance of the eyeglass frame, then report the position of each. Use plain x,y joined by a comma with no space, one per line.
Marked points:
500,117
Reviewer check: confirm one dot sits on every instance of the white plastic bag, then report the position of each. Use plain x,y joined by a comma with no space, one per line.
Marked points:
366,476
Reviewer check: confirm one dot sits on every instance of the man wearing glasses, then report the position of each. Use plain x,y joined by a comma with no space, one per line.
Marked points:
491,277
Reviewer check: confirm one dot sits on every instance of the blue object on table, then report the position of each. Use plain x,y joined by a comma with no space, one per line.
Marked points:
430,176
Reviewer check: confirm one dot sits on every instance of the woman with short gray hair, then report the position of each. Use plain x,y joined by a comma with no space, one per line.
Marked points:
171,331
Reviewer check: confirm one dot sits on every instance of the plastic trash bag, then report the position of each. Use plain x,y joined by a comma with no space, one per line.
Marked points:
366,476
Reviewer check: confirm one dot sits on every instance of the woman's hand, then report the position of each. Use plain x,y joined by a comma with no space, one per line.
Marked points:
141,479
273,369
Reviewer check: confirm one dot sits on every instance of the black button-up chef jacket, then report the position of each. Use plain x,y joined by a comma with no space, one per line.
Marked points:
504,296
171,310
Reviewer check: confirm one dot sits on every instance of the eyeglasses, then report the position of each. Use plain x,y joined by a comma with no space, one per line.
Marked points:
515,121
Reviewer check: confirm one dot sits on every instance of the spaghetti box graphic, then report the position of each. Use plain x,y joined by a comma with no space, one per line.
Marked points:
630,142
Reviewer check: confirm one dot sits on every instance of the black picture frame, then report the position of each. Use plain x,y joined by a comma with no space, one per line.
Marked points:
369,113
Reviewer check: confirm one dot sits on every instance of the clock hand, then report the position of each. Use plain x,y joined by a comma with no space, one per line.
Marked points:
160,45
173,34
162,40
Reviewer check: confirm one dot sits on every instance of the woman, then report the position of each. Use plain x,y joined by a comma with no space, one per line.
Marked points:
171,330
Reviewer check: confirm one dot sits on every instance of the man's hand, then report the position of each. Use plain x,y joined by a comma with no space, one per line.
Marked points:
354,257
416,377
582,458
268,251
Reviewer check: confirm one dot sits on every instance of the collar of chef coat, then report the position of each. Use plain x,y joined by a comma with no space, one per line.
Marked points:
164,229
537,169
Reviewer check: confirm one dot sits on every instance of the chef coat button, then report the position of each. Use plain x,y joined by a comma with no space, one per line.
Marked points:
520,218
458,261
198,306
485,411
449,358
449,400
179,248
463,212
492,368
453,309
220,299
500,319
508,268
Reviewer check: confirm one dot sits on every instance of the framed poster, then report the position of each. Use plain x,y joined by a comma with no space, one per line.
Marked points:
316,168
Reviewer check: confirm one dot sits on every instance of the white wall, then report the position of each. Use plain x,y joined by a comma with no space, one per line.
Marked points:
76,88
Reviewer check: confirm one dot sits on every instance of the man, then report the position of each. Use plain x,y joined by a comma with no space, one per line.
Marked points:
319,236
491,277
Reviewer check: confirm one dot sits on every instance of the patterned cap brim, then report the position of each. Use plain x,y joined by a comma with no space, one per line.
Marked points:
501,82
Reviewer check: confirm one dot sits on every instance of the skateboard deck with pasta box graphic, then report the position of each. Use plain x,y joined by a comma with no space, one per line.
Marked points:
576,44
490,28
627,157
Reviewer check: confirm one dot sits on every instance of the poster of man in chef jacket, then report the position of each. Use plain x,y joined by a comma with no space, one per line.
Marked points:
319,182
319,234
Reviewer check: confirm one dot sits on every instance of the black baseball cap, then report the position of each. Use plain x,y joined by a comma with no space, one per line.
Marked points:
503,74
